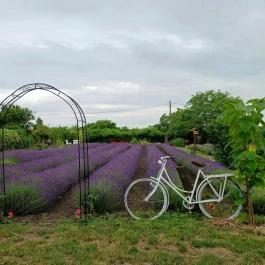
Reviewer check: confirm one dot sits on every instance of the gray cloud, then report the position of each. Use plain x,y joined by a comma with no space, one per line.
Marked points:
113,55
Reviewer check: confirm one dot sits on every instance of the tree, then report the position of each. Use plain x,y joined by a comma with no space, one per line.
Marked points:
41,133
246,130
17,117
203,109
39,121
179,124
102,124
164,126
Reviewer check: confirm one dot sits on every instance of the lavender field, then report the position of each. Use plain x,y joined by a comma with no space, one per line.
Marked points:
39,178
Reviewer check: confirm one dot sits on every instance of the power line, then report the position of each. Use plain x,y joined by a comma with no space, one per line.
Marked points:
116,111
127,110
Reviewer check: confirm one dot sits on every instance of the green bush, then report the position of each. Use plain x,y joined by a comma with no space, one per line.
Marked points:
143,141
258,199
222,152
102,198
11,139
134,141
21,199
26,139
178,142
175,201
206,148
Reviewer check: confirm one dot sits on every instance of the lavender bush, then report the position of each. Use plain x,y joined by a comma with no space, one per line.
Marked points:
51,182
111,180
184,158
152,168
204,148
24,155
153,154
40,164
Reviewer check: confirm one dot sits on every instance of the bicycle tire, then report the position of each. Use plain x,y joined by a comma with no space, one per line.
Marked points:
137,192
231,204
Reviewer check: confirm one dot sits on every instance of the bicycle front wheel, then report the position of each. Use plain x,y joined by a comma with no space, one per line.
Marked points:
135,199
231,204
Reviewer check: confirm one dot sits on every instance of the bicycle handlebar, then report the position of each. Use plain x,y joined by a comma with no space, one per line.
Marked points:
164,158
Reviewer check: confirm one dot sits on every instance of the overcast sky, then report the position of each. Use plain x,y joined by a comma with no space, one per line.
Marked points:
119,55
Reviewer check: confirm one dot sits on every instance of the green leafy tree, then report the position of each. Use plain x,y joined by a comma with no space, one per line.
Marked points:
179,124
164,126
41,133
39,121
102,124
246,126
17,117
60,134
203,109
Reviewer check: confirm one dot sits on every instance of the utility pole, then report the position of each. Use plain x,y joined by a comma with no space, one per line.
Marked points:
166,139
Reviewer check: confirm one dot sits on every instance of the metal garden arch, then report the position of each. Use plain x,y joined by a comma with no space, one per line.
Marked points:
83,160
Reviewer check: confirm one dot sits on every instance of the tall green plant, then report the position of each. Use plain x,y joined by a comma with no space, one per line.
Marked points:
246,130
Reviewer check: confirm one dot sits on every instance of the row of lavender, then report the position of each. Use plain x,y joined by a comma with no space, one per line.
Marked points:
112,166
110,181
184,158
50,173
153,154
23,155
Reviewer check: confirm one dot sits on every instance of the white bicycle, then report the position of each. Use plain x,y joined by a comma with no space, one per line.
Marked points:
216,195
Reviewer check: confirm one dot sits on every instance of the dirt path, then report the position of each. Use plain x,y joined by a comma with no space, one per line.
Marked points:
141,170
186,176
65,206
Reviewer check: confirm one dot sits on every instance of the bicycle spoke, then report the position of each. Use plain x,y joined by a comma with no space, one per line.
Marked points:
135,199
228,207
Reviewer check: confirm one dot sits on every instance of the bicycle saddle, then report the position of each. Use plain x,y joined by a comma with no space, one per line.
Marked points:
198,164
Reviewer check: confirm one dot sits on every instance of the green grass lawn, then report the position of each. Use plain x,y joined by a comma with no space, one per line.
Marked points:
114,239
199,153
9,161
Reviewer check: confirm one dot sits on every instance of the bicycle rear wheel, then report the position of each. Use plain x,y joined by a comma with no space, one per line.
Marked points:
134,199
231,204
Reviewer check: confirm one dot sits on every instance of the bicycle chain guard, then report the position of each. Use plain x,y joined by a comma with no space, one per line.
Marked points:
188,206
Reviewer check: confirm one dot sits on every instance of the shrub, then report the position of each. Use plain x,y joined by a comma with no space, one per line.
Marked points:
175,201
222,152
144,141
207,149
11,139
21,199
102,198
178,142
258,198
26,139
134,141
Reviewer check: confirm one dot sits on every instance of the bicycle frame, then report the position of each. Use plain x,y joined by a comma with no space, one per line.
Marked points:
191,197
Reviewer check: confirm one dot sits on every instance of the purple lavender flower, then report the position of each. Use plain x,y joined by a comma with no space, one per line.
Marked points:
119,171
61,170
184,158
153,154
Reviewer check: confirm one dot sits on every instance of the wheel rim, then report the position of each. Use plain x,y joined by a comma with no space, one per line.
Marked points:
140,209
229,207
